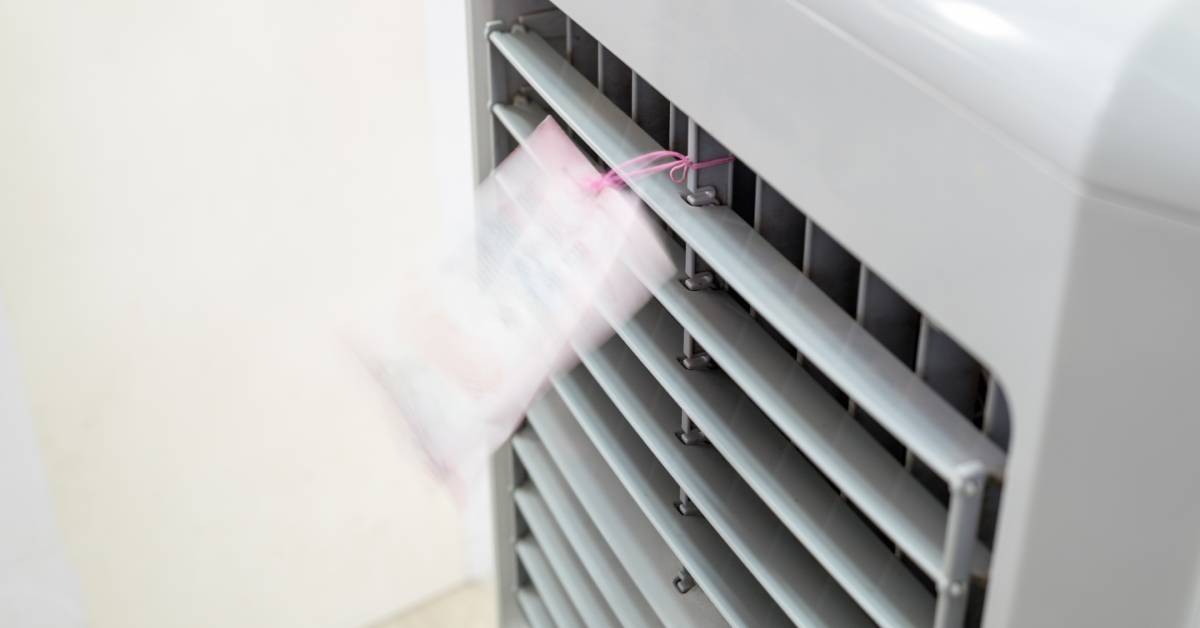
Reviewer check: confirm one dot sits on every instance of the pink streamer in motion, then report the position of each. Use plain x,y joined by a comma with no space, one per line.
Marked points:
677,168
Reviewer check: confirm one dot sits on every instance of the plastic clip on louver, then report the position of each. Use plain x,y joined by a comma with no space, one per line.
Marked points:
491,320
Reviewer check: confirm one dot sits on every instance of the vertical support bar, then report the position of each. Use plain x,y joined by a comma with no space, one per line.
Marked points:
499,90
582,51
955,376
997,426
651,111
502,84
966,501
996,421
688,430
509,575
583,55
951,372
914,466
703,147
835,271
678,133
549,24
615,80
744,191
889,317
781,225
756,223
700,147
895,323
831,267
779,222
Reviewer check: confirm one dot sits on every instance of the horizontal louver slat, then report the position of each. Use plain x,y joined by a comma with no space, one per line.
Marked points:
789,484
598,558
578,584
643,553
733,590
822,331
534,609
795,580
840,447
548,585
519,119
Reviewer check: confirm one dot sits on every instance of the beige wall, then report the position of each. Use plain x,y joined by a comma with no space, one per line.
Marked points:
191,195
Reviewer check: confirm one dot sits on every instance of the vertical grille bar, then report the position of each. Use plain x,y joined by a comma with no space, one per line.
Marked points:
966,503
651,111
512,602
779,222
783,226
996,424
718,181
743,194
550,25
831,267
888,316
678,134
702,147
951,371
582,51
896,323
956,377
996,420
835,271
615,80
499,73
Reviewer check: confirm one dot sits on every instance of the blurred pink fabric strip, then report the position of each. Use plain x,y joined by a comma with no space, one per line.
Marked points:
485,326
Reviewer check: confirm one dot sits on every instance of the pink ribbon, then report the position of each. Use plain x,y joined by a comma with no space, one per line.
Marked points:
677,168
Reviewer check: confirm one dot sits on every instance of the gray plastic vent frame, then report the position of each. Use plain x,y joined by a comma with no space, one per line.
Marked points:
940,541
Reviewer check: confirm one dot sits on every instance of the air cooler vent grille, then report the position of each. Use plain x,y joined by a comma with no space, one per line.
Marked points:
839,464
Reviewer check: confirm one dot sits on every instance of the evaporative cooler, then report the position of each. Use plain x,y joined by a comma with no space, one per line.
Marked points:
930,359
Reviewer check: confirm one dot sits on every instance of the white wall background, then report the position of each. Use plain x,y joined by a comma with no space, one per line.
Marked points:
448,61
38,588
191,196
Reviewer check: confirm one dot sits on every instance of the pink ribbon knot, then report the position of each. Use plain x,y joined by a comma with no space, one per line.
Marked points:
677,168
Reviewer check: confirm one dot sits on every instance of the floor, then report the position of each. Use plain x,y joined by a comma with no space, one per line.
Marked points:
472,606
